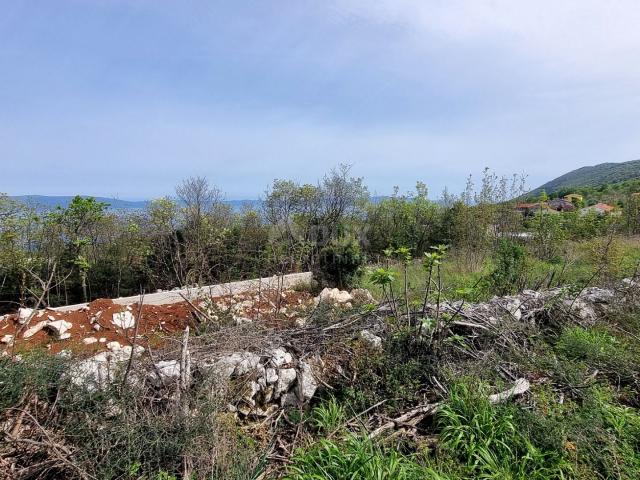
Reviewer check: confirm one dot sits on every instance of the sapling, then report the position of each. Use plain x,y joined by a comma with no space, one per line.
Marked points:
431,262
405,256
384,277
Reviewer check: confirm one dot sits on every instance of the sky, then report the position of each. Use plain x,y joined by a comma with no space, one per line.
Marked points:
125,98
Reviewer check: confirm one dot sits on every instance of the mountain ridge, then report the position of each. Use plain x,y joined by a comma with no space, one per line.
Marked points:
591,176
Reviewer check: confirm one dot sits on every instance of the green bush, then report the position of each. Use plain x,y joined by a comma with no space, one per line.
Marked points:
38,374
340,262
509,271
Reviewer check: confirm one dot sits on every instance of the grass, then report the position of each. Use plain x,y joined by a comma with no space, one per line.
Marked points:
598,348
357,457
485,439
578,267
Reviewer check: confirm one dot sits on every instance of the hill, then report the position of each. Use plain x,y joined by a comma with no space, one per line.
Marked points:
593,176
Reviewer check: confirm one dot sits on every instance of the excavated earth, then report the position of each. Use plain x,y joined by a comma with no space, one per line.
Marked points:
94,326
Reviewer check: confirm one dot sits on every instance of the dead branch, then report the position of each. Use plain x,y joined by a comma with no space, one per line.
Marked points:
417,414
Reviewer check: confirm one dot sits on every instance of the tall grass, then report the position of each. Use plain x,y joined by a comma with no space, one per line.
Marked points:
357,457
485,439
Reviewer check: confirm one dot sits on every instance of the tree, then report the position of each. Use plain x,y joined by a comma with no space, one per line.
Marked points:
204,220
78,227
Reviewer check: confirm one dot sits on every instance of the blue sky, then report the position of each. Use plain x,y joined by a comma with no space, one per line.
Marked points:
125,98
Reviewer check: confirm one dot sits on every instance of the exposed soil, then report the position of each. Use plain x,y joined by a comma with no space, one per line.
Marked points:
156,323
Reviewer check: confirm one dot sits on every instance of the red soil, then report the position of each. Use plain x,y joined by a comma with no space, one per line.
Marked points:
156,322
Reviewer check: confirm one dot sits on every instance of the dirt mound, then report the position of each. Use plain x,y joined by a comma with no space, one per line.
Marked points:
101,321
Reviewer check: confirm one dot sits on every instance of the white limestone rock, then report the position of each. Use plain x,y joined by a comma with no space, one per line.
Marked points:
372,340
334,296
124,320
271,375
362,296
307,382
279,357
31,331
24,314
99,371
242,320
59,328
286,377
167,370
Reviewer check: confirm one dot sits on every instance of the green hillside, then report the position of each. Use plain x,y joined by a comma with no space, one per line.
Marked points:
602,174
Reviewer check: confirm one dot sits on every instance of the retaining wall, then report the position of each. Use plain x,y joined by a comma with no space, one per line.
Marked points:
232,288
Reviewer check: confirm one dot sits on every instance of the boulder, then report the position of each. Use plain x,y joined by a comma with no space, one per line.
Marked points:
307,382
238,363
31,331
271,375
59,328
371,339
251,390
279,357
286,377
362,296
334,296
97,372
579,308
24,314
124,320
167,371
242,320
597,295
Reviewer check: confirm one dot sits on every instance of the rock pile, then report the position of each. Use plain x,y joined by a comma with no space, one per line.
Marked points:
530,305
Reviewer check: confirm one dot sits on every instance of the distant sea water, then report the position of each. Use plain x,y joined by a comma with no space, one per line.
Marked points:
44,202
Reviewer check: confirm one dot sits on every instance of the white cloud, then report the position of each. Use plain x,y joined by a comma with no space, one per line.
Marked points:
574,38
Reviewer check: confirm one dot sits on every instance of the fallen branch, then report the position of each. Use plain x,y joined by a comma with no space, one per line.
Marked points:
417,414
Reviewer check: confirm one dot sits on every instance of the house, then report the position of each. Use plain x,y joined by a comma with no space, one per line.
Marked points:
561,205
529,209
599,208
573,197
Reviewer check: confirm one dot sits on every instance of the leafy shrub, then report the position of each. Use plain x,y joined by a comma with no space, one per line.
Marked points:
509,271
340,262
395,374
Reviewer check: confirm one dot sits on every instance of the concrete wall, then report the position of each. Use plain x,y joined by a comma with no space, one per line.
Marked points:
175,296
